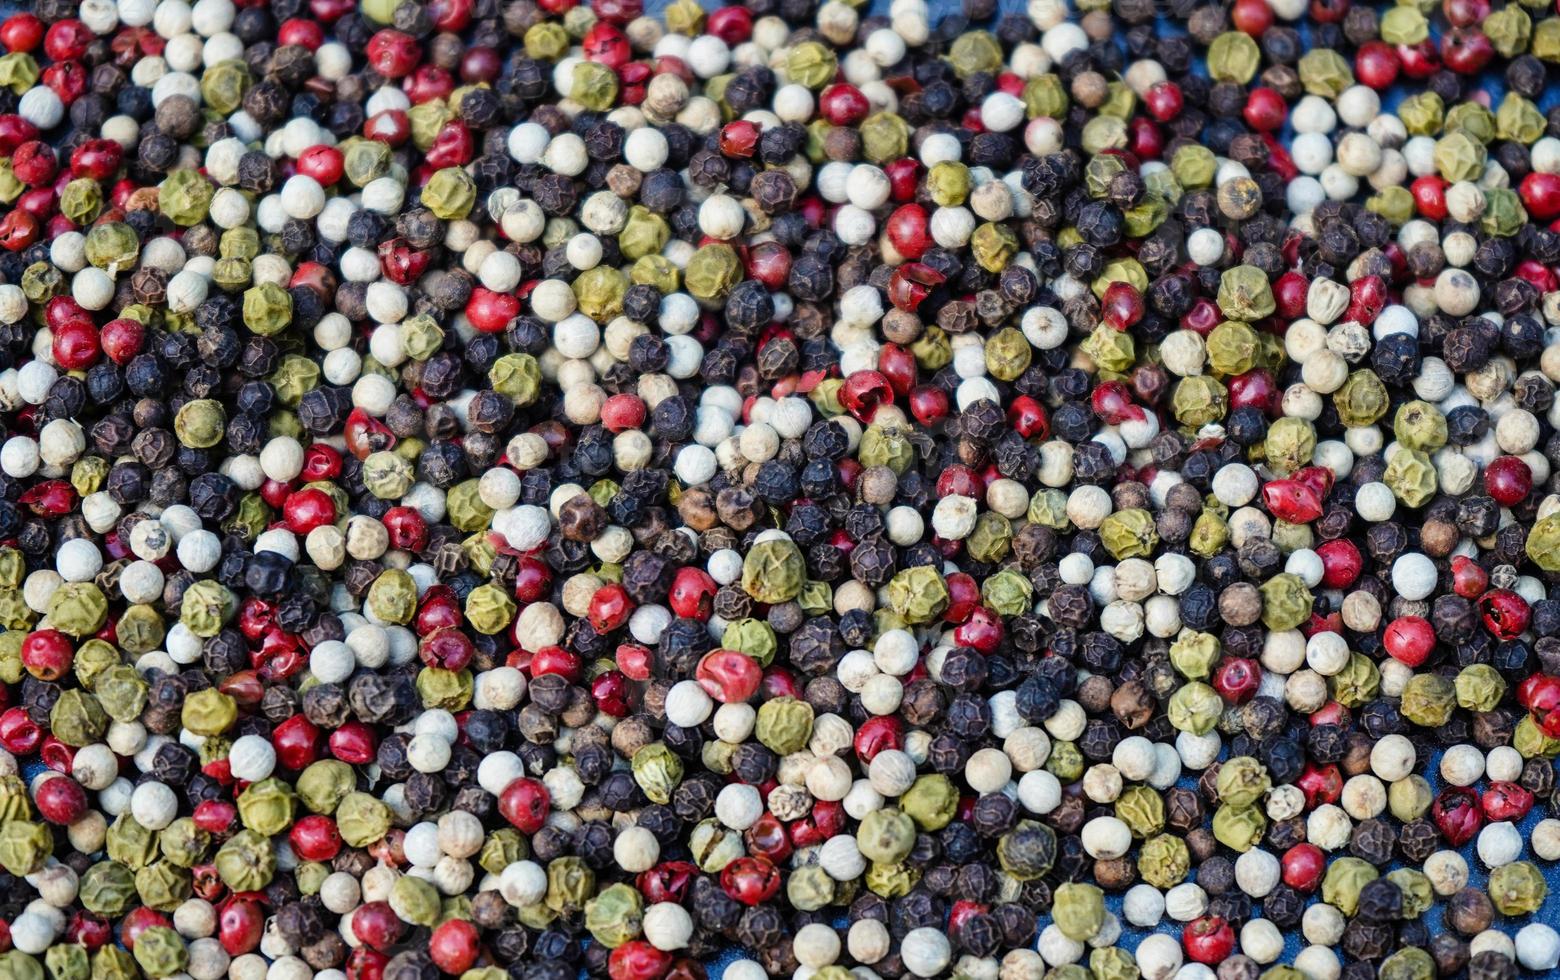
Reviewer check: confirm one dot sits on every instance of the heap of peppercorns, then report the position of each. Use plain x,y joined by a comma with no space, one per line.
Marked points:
508,488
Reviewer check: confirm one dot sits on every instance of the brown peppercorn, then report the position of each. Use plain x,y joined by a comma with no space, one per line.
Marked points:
1090,89
1438,538
1240,604
877,485
1202,844
1356,758
1094,694
1470,911
1115,874
632,734
696,507
1132,704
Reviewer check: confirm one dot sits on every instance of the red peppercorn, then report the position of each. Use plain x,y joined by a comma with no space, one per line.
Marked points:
308,509
911,283
215,816
294,741
929,403
480,63
324,163
34,163
48,654
1341,563
903,175
963,597
767,839
1376,65
739,139
1265,109
393,53
1320,784
638,960
609,608
1237,679
622,412
376,925
91,931
75,345
453,16
61,800
876,734
1465,13
864,392
490,312
556,660
19,734
137,921
843,104
67,39
315,838
406,528
1409,640
1302,867
1504,800
1429,194
1208,940
300,32
1122,305
320,462
1028,418
240,924
19,230
826,820
1292,501
1506,614
1112,403
729,676
1469,579
21,32
612,694
1466,50
1164,101
447,649
1457,814
354,743
453,946
750,880
392,126
983,631
634,661
1508,479
525,803
770,264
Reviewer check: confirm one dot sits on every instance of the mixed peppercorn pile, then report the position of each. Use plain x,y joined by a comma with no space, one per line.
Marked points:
518,489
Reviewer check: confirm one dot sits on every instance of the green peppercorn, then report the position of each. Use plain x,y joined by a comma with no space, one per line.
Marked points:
1233,57
994,246
1078,909
1324,72
1199,400
107,888
753,637
78,719
224,84
784,724
1195,708
1517,888
1129,533
773,571
1164,861
1239,828
1345,878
